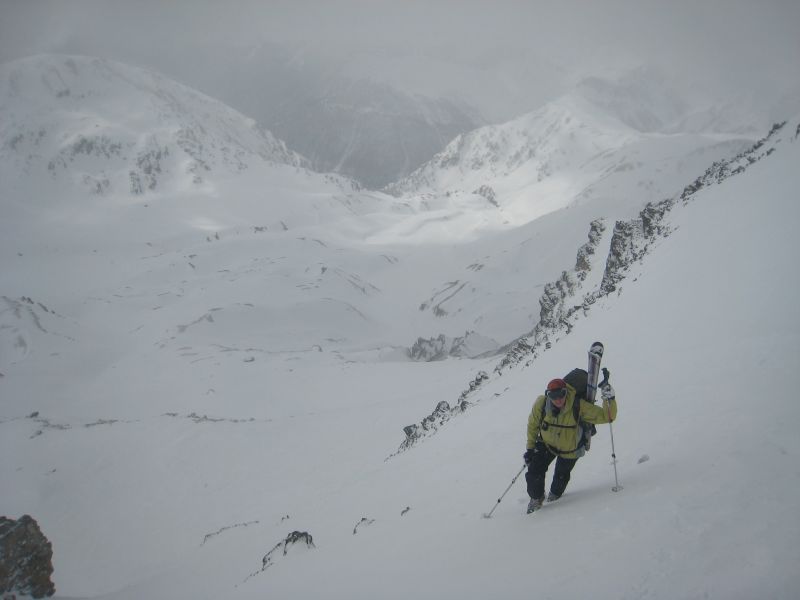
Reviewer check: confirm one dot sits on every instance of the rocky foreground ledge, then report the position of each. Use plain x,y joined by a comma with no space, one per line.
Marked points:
26,559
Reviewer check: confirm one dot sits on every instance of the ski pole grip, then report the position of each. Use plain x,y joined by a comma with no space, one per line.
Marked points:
606,375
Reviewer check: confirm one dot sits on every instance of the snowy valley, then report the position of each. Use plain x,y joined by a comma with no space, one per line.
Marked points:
222,373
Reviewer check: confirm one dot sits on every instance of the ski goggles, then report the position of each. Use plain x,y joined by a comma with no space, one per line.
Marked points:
556,394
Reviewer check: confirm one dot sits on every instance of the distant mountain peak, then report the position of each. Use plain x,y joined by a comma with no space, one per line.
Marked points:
106,126
531,147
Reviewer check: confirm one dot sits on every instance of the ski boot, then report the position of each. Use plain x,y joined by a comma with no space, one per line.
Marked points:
535,504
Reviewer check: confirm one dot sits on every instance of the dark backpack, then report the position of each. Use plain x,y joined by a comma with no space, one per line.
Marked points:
579,379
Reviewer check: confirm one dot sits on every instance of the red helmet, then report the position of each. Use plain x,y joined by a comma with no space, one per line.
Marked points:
556,391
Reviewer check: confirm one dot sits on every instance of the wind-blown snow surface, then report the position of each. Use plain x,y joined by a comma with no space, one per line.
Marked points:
174,405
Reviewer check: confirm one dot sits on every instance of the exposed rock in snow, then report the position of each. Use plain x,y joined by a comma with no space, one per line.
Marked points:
585,252
365,522
440,415
632,239
26,557
469,345
487,192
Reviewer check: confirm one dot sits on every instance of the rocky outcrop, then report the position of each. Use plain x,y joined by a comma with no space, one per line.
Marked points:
632,240
440,415
470,345
488,192
208,536
296,539
582,261
26,558
556,305
364,522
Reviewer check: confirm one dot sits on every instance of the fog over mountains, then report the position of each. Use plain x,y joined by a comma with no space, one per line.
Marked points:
346,123
373,101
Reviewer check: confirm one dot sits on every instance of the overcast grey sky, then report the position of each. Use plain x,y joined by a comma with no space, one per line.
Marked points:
730,44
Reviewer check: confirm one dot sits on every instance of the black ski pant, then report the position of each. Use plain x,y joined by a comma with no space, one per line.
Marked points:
537,470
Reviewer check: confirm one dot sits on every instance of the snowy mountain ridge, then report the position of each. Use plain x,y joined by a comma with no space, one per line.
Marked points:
534,140
108,127
572,150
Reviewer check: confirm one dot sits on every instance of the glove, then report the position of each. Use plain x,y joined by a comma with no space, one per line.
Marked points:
528,456
607,392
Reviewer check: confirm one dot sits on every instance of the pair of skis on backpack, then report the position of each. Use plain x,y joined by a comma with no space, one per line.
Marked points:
587,380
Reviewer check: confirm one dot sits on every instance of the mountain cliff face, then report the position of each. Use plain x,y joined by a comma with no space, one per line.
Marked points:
106,127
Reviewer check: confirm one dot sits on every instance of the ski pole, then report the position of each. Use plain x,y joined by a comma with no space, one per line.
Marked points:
617,487
513,481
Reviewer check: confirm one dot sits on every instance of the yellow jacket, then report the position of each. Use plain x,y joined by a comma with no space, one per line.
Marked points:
561,433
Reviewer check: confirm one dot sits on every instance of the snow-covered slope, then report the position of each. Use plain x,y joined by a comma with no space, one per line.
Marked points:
184,382
107,126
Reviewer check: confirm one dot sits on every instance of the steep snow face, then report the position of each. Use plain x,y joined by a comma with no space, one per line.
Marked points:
106,127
